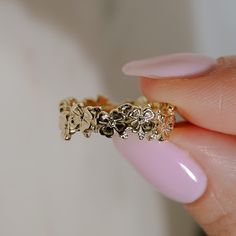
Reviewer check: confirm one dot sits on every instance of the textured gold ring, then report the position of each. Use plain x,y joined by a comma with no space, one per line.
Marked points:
151,120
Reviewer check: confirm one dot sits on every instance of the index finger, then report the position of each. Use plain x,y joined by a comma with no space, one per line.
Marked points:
207,100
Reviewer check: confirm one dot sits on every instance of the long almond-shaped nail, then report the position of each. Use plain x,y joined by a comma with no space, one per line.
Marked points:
170,169
172,65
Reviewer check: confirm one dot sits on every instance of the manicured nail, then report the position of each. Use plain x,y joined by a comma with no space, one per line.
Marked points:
173,65
167,167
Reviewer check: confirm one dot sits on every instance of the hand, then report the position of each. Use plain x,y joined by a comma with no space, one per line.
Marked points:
197,166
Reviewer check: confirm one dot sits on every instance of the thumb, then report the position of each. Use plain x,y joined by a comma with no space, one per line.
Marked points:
196,167
215,209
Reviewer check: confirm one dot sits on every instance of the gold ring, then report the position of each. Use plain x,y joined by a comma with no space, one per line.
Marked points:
150,120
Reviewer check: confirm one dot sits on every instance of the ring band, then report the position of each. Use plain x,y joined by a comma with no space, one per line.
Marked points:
150,120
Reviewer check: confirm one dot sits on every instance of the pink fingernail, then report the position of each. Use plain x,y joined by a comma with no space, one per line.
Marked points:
170,169
173,65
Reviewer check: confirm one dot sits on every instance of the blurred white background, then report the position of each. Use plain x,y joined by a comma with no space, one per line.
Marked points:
51,49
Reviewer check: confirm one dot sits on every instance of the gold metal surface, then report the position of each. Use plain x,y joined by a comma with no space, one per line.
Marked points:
150,120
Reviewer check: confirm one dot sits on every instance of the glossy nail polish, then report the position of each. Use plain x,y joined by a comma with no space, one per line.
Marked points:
172,65
167,167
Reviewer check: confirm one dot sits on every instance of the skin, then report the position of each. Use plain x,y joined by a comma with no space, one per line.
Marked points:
208,103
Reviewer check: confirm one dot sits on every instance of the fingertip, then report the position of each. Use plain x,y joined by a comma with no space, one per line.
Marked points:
149,87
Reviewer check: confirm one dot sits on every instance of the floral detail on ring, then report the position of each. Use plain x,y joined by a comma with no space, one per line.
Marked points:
165,127
142,121
64,125
86,118
111,122
81,117
150,120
